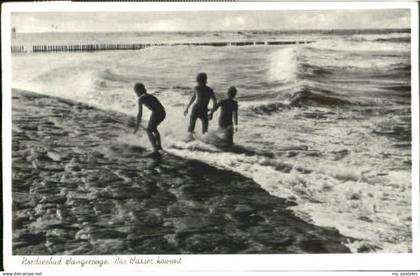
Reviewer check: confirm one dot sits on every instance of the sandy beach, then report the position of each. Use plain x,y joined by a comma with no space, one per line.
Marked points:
79,189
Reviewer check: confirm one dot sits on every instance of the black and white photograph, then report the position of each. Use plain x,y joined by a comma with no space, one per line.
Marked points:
188,132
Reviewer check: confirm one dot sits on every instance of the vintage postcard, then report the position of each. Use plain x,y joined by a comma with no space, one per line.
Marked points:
210,136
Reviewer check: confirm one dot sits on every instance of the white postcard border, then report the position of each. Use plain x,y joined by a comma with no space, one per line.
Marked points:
276,262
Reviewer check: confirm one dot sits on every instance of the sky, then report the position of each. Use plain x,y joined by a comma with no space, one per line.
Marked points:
209,20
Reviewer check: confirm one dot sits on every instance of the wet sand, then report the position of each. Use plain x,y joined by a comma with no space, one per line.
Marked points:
77,189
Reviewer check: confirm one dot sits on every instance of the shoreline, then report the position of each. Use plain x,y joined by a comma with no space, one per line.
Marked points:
78,190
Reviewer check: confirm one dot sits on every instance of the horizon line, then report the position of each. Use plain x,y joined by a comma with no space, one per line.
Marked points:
233,30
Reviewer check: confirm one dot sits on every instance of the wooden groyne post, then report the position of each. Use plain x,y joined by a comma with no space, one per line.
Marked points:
86,47
137,46
18,49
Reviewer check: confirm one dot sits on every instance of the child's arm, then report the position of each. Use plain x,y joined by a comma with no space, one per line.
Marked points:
190,103
213,98
235,116
139,115
216,107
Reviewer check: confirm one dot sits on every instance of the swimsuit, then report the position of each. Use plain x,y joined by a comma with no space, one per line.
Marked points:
158,111
199,109
155,119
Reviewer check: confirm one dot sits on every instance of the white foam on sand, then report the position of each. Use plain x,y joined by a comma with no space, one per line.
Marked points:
368,207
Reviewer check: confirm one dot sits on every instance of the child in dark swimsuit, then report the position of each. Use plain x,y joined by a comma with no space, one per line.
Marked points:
228,113
158,115
201,97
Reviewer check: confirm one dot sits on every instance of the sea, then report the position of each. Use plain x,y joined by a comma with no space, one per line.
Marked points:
325,124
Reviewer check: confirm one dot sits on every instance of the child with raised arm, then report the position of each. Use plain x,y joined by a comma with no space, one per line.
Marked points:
158,115
201,97
228,113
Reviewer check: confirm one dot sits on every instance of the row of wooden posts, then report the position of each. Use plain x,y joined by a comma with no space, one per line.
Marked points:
18,49
137,46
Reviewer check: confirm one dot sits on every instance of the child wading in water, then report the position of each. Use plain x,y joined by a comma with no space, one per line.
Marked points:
228,114
158,115
201,97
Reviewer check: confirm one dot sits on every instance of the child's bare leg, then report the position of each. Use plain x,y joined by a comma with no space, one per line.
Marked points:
205,125
158,142
152,140
193,119
229,134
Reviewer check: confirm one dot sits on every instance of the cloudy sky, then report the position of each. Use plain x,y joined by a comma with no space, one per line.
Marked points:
209,20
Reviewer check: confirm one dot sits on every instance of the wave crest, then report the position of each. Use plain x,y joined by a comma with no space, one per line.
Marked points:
306,97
